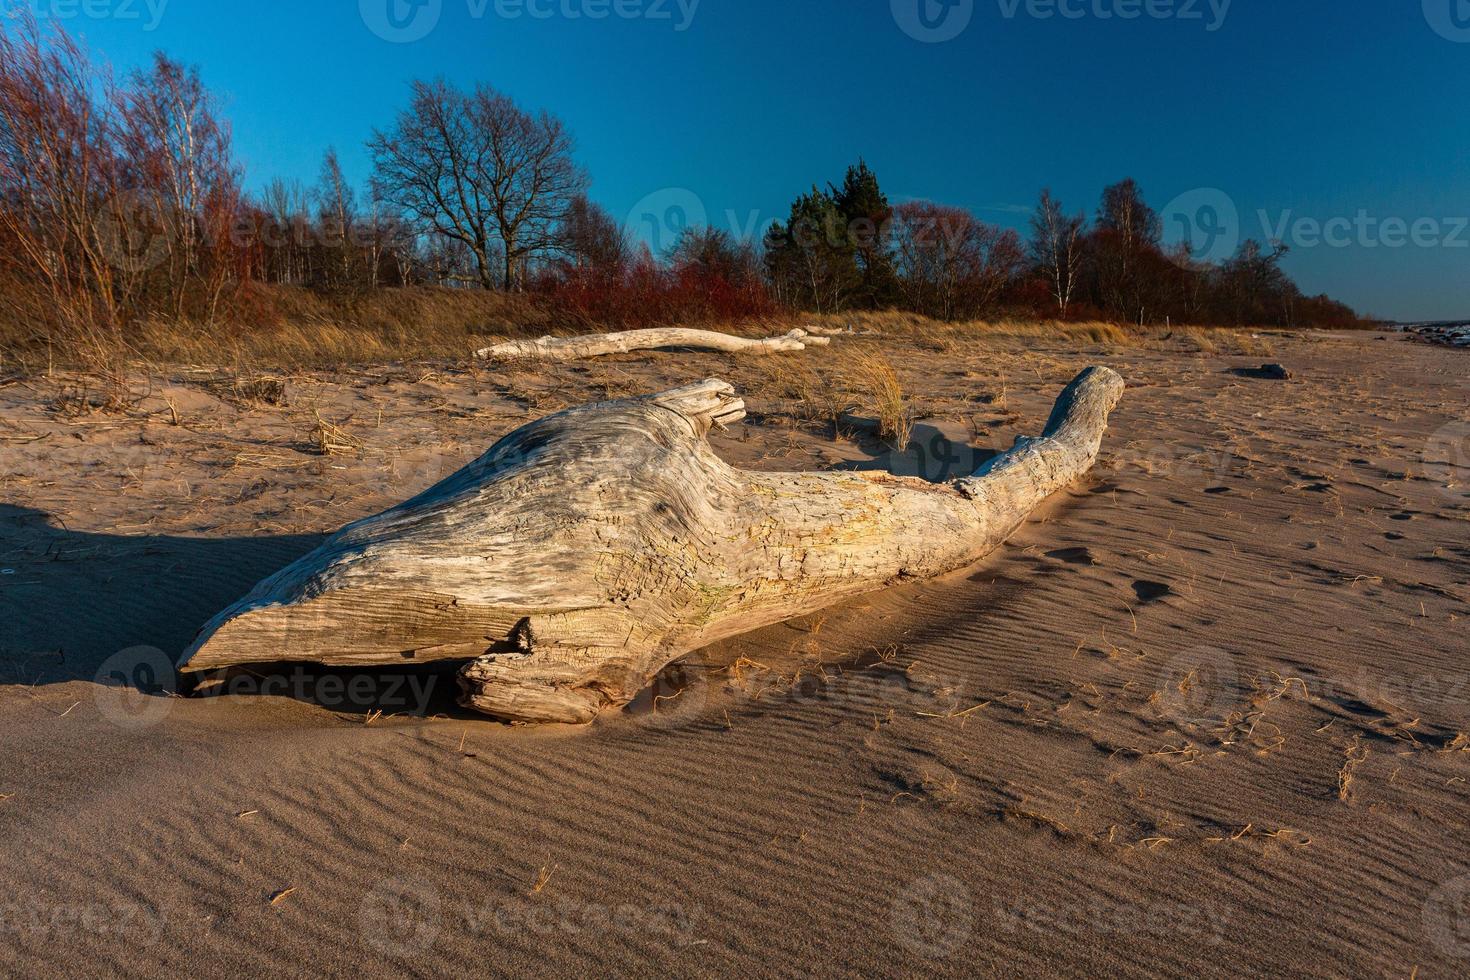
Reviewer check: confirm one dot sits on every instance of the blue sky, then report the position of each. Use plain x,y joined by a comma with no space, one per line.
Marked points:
1339,126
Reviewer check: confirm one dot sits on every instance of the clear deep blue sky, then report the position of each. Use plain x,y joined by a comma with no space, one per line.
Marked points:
1317,109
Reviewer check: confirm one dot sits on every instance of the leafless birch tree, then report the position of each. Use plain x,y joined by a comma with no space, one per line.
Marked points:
1056,247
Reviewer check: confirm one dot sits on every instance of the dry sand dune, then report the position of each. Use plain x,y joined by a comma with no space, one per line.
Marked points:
1205,716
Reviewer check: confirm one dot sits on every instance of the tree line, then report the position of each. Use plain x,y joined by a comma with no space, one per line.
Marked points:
846,247
121,200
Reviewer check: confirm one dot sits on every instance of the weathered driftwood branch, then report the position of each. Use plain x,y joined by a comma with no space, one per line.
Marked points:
598,345
589,549
847,331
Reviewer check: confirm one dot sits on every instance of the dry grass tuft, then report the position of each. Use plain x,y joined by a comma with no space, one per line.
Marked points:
247,390
880,381
1198,340
542,878
817,400
104,393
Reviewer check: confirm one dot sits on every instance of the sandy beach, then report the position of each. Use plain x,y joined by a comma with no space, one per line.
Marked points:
1206,715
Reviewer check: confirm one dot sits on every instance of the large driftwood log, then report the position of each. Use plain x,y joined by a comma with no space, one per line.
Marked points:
586,551
598,345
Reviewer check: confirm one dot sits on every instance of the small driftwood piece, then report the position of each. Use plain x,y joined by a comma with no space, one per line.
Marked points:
624,341
588,550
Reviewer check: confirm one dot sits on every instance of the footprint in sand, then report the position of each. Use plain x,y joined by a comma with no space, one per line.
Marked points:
1151,591
1073,556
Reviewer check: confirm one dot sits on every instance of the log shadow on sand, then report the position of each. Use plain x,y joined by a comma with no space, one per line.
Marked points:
75,600
72,600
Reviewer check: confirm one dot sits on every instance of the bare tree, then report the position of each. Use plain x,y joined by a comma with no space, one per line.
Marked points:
337,215
1056,246
535,178
708,255
388,237
284,204
58,168
177,148
482,172
1127,236
592,244
949,263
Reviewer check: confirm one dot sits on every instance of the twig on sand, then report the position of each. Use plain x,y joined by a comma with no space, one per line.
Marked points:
1356,754
956,714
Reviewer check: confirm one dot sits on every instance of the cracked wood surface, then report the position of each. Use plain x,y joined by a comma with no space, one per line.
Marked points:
587,550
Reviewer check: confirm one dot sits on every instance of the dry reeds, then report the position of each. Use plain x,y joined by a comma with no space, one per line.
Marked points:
880,381
542,878
329,439
282,327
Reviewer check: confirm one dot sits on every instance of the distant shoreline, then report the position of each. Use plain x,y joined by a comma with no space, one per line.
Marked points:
1450,333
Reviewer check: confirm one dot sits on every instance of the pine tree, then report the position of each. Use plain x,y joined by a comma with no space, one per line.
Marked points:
811,259
867,217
